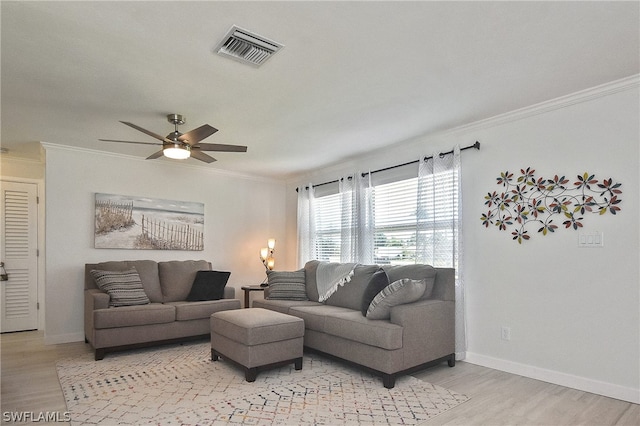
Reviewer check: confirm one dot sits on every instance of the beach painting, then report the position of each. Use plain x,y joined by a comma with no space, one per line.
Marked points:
143,223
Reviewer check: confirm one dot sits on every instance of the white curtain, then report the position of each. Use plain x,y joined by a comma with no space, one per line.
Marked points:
306,225
439,226
357,223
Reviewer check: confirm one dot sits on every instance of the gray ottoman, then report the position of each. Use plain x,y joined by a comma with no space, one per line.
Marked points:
257,338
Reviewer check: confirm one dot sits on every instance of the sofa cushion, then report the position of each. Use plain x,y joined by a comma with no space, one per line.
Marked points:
282,305
350,294
353,326
400,292
177,276
129,316
314,316
147,270
124,287
284,285
378,281
415,272
186,311
208,285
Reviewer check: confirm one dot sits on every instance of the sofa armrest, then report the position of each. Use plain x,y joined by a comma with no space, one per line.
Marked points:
93,299
96,299
229,293
428,330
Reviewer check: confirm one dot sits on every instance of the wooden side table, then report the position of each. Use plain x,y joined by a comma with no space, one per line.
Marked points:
247,290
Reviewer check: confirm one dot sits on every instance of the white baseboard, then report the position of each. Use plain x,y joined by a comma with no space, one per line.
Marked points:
63,338
576,382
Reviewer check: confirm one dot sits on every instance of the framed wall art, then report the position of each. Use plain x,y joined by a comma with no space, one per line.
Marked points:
143,223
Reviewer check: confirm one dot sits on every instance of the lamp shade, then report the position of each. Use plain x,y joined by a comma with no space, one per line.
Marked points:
177,152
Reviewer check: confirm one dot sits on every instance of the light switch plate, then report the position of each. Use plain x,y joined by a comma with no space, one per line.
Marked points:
593,239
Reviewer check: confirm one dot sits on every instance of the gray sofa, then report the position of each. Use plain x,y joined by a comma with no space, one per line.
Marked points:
416,335
167,318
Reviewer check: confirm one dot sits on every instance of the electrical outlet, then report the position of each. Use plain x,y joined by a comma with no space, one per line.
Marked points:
505,333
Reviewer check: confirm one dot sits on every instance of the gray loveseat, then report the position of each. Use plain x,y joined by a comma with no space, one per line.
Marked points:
416,335
167,318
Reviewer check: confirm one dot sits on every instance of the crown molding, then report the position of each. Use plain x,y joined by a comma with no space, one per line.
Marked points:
586,95
218,172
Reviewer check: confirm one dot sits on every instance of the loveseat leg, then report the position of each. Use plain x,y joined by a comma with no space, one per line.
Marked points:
214,355
388,380
99,354
250,374
452,360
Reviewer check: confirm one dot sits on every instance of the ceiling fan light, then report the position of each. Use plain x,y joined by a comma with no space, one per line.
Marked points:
177,151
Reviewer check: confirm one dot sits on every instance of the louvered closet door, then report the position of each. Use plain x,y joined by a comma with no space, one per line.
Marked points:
19,296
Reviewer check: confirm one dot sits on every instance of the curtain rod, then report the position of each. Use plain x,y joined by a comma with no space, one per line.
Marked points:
442,154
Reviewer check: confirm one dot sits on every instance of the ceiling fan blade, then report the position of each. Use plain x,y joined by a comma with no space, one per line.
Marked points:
148,132
196,135
220,147
141,143
155,155
202,156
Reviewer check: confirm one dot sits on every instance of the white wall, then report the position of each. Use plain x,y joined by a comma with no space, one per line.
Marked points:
573,312
241,212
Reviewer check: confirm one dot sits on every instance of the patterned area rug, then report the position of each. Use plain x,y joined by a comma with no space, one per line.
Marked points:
180,385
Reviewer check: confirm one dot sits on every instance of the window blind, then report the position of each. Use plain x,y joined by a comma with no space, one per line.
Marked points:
402,235
328,232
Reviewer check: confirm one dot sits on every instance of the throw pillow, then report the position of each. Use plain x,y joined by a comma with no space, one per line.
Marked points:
397,293
378,281
287,285
124,287
208,285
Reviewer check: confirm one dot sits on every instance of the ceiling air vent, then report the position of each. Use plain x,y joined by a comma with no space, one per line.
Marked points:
246,47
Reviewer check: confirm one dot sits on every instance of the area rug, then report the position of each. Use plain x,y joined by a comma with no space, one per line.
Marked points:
180,385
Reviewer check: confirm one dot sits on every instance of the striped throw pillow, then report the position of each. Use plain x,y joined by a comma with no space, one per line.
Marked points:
397,293
287,285
124,287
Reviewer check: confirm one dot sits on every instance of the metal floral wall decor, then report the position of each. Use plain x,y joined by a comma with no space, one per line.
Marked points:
529,201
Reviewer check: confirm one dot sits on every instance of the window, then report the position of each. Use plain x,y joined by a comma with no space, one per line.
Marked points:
395,220
412,222
328,231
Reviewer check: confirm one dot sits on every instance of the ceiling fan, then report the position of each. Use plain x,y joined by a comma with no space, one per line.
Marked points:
180,146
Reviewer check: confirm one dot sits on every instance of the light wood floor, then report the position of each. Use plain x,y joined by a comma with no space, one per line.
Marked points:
30,383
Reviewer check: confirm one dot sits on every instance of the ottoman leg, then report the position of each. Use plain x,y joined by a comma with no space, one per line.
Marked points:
298,363
214,355
250,374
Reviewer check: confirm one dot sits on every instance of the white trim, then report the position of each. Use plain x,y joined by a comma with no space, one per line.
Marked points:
563,379
53,146
63,338
586,95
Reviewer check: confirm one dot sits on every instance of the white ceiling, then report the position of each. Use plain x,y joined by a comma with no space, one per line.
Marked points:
352,77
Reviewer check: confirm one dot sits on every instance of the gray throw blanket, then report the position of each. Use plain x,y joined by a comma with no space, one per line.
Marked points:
330,276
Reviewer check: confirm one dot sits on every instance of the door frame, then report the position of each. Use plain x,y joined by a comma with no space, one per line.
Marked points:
40,208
